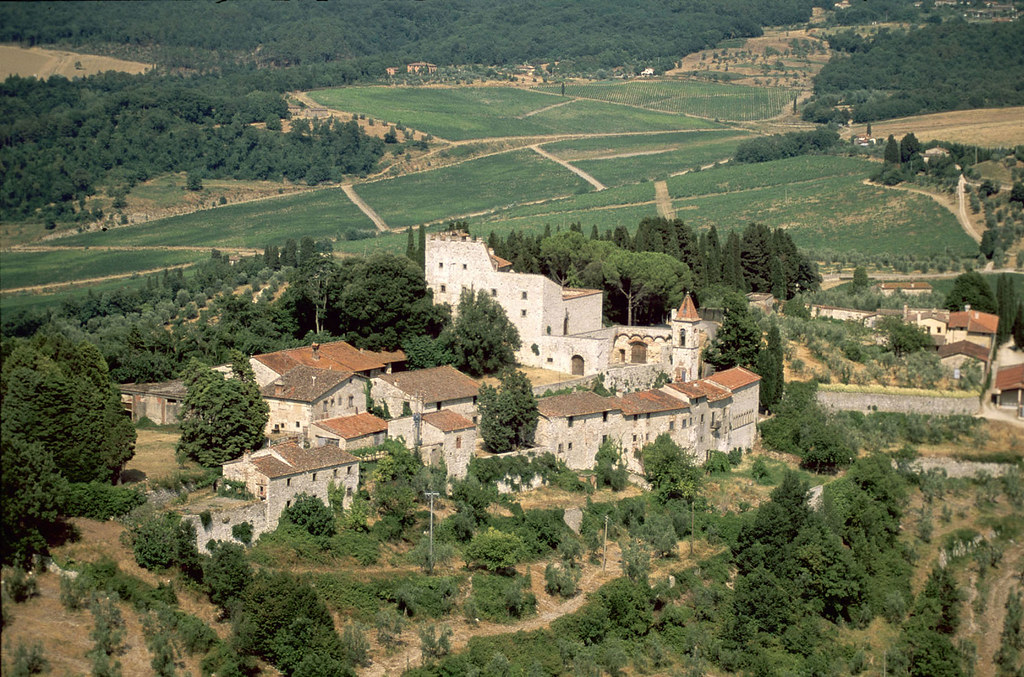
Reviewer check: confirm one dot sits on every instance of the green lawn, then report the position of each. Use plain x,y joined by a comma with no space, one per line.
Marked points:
462,113
493,182
26,269
326,213
689,97
617,171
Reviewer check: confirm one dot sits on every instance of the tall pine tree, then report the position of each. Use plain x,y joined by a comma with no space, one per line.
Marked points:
770,369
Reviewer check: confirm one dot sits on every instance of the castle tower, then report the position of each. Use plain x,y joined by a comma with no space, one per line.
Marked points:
686,341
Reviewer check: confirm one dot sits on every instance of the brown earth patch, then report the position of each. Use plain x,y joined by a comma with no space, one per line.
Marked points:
989,127
42,63
154,454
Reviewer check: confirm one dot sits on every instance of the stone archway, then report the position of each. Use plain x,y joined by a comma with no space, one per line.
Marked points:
577,365
638,352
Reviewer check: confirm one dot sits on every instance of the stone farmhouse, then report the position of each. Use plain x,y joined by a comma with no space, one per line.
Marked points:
424,390
1009,389
305,394
276,475
440,435
417,66
717,413
159,402
334,356
943,326
905,288
350,432
561,328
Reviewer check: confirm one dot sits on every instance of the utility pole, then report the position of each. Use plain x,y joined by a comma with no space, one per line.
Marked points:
431,495
604,557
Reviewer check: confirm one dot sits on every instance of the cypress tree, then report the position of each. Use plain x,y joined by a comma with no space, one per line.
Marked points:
1006,306
410,247
770,369
1018,327
422,252
892,151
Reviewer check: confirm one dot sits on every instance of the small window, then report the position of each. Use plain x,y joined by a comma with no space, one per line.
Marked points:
494,292
550,360
524,296
440,264
604,416
570,421
474,420
604,438
671,425
348,491
474,400
443,289
297,424
463,266
634,438
570,446
348,470
439,406
350,401
559,447
458,442
287,504
314,477
523,312
335,474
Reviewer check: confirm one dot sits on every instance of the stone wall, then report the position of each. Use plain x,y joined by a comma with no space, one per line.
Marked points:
633,377
223,521
907,404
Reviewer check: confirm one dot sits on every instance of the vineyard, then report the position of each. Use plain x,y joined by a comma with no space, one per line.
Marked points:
702,99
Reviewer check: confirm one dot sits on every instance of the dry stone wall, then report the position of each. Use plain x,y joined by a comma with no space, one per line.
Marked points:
906,404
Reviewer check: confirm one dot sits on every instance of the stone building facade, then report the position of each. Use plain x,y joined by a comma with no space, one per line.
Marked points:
350,432
276,475
425,390
305,394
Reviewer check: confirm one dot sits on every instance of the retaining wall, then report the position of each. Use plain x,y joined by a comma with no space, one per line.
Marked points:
906,404
223,521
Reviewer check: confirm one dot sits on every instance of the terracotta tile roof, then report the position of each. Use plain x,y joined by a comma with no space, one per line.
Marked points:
576,404
337,356
964,348
500,264
688,388
174,389
574,293
448,421
437,384
734,378
291,459
350,427
714,391
1010,378
649,402
304,384
688,310
974,321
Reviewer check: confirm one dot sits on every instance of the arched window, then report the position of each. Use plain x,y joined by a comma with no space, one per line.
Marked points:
577,365
638,352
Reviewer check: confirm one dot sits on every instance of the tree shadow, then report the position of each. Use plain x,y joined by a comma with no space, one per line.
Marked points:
131,476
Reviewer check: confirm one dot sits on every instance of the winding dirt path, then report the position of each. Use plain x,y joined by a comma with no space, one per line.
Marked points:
575,170
959,212
350,191
92,280
1009,577
545,108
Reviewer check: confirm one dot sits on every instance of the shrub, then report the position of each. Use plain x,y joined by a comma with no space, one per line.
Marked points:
164,541
495,550
27,660
98,501
310,513
717,462
736,456
561,580
206,519
19,586
501,598
361,546
243,532
759,471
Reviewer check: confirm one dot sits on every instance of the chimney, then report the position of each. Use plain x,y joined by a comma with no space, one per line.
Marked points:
316,351
967,307
278,388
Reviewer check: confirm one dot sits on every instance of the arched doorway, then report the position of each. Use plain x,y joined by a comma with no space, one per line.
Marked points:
638,352
577,365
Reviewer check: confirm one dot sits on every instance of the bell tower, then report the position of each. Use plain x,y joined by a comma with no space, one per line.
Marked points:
686,341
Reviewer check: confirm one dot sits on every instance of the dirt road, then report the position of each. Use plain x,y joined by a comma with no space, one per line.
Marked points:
663,201
365,208
575,170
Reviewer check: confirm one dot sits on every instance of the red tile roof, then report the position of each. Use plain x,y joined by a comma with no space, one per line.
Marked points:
974,321
291,459
964,348
304,384
688,310
351,427
702,388
649,402
437,384
576,404
715,392
337,356
688,388
448,421
1010,378
500,264
574,293
734,378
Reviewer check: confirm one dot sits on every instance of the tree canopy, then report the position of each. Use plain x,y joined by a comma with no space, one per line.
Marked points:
482,340
508,414
970,288
738,342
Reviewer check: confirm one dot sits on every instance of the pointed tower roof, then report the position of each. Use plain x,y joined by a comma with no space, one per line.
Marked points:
688,310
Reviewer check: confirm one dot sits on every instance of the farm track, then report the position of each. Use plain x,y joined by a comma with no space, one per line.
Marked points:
663,200
959,212
575,170
370,212
541,110
92,280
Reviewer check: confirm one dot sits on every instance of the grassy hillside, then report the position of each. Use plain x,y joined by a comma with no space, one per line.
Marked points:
25,269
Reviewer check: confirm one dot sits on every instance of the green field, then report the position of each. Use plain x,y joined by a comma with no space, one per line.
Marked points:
649,167
10,303
687,97
324,213
604,219
26,269
778,173
491,182
600,147
462,113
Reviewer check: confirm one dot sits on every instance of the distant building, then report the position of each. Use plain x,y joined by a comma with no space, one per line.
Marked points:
905,288
1009,388
306,394
425,390
417,66
392,71
334,356
159,402
647,73
350,432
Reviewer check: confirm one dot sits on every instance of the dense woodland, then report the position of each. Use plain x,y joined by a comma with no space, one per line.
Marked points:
949,66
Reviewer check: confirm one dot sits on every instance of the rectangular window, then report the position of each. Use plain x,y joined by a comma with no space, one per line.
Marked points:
559,447
671,425
443,289
524,296
314,477
440,264
458,442
634,439
350,400
494,292
604,416
463,266
335,472
439,406
474,400
288,482
287,504
570,446
297,425
474,420
523,312
569,420
348,470
550,360
604,438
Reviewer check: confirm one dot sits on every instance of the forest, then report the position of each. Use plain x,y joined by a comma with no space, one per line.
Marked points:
950,66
